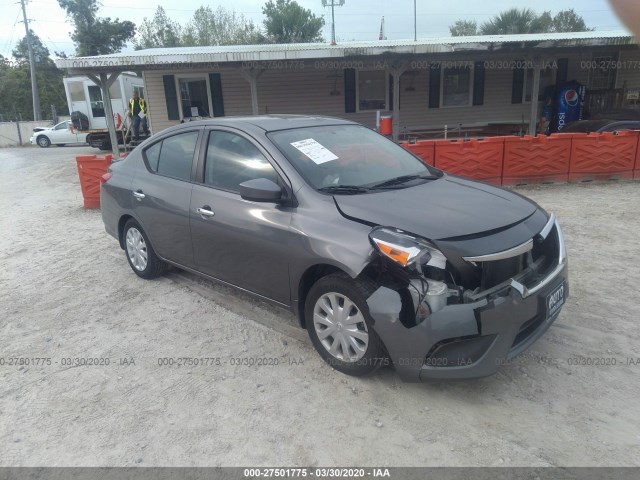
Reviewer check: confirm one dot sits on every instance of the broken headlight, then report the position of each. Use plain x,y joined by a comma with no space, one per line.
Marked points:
406,249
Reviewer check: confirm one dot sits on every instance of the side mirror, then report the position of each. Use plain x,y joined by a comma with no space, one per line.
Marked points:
260,190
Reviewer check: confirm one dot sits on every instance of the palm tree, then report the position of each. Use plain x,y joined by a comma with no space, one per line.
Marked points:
513,21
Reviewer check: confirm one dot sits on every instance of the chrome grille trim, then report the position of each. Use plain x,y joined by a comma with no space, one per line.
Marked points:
512,252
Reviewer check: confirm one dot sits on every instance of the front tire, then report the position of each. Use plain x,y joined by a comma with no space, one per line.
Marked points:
340,327
140,254
43,141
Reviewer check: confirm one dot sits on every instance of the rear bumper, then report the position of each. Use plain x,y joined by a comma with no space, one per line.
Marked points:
465,340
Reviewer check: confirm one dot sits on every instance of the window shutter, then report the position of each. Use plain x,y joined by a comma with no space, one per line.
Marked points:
517,85
478,83
171,97
563,69
215,83
349,90
434,87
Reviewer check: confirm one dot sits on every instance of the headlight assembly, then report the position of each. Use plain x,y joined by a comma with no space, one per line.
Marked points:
406,249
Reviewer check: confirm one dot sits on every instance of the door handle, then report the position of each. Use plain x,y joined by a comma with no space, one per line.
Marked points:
205,211
139,195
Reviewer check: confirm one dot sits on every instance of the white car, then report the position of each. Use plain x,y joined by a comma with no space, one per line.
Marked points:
60,134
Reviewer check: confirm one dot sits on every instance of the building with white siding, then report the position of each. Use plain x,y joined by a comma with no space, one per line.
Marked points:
470,84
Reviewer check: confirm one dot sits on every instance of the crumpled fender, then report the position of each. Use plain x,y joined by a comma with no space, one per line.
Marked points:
408,347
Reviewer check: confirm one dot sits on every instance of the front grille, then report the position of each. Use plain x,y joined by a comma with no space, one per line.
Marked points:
530,267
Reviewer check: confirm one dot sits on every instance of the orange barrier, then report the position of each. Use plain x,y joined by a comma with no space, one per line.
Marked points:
539,159
425,149
480,159
636,170
90,169
603,156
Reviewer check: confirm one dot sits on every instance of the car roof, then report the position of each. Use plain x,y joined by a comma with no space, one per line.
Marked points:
270,123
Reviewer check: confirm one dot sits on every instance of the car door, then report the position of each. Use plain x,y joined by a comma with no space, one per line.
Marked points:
162,194
238,241
59,134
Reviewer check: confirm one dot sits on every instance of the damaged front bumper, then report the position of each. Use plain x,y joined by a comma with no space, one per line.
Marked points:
474,339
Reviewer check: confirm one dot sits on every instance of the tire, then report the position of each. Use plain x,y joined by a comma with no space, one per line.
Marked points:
43,141
365,352
140,254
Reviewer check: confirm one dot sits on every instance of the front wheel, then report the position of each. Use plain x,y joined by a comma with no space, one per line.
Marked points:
140,254
339,325
43,141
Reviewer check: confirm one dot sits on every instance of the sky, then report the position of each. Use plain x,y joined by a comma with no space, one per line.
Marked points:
356,20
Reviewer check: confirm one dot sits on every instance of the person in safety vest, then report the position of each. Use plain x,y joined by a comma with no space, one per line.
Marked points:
136,106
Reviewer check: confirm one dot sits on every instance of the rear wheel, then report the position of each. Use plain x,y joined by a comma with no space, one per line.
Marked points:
43,141
339,325
140,254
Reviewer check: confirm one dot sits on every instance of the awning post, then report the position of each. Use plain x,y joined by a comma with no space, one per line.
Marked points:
535,87
105,83
396,72
252,76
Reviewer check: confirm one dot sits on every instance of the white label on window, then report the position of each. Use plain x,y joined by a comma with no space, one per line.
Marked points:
194,111
316,152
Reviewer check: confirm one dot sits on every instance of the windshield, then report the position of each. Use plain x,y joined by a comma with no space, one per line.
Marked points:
347,156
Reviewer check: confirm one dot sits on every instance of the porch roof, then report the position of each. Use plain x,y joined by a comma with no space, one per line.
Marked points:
152,58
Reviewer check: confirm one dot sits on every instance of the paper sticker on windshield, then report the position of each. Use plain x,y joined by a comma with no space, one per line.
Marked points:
316,152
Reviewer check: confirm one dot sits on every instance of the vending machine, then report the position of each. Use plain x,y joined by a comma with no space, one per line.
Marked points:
569,106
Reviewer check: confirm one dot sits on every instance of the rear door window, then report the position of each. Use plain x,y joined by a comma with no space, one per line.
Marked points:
173,156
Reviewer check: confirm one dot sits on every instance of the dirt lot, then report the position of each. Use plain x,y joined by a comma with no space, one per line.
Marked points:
66,291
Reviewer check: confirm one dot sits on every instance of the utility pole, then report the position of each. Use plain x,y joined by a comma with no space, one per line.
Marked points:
34,81
415,22
332,4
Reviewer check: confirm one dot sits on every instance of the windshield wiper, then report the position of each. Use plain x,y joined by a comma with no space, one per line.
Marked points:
343,189
403,179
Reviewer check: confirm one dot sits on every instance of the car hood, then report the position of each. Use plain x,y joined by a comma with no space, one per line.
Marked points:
440,209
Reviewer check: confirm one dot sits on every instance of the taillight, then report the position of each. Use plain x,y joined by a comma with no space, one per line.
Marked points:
106,177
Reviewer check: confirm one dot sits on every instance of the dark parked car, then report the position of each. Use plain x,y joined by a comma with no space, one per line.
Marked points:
382,257
600,125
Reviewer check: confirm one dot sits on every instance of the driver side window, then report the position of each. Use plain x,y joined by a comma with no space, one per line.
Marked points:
232,159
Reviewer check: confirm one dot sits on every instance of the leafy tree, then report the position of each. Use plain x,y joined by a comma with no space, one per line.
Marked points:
40,52
94,35
464,28
569,21
287,22
220,27
160,31
15,82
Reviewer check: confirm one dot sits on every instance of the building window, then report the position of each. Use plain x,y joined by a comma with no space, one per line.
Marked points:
194,96
76,91
546,80
139,89
372,90
456,87
95,99
603,77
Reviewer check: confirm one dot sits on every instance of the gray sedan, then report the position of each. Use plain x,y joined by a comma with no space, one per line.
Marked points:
383,258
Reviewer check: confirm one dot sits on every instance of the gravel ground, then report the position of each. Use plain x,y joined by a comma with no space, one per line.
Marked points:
66,291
